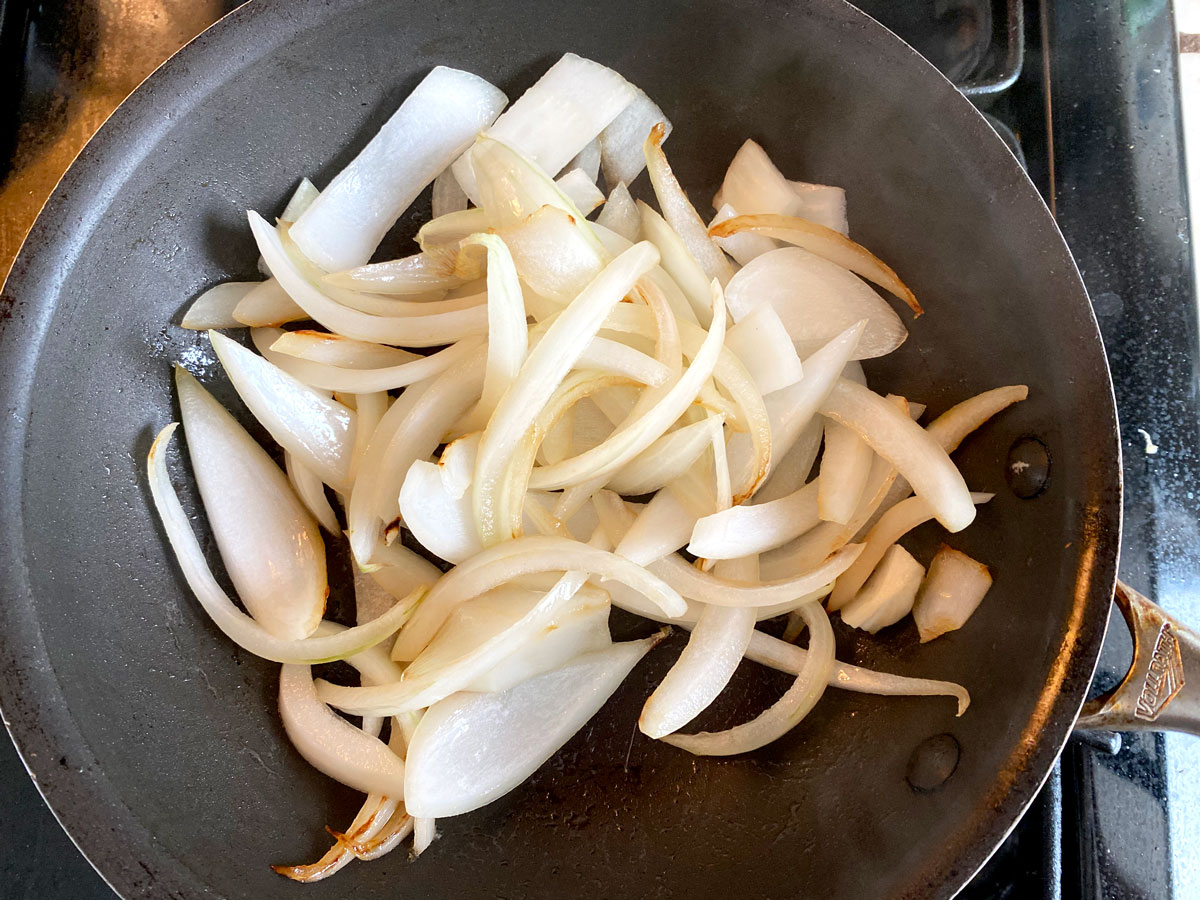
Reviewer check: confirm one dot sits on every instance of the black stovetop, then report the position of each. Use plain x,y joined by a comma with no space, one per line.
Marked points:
1086,93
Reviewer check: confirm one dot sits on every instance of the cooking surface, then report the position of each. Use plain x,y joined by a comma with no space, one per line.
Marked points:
1118,193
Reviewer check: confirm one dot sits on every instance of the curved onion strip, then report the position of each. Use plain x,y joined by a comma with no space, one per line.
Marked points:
679,212
335,350
716,646
581,189
742,247
421,689
724,490
708,588
214,308
620,213
424,831
523,556
369,822
893,525
825,242
788,710
449,229
543,370
661,528
761,344
268,304
452,764
331,744
677,263
508,335
770,651
236,625
845,466
953,590
621,359
400,571
909,447
621,156
398,828
553,254
410,430
634,436
742,530
417,274
318,430
409,331
271,547
311,491
433,126
668,457
370,409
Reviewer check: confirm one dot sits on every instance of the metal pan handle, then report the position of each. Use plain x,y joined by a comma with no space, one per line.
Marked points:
1161,691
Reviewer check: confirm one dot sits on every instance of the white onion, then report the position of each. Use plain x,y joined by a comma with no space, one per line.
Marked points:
621,359
553,253
311,492
762,344
754,185
661,528
448,195
581,190
508,336
302,198
621,142
418,274
453,766
742,530
845,465
743,246
448,229
268,304
677,262
952,591
668,457
789,474
436,507
319,431
588,160
434,124
214,308
823,204
888,595
335,350
620,213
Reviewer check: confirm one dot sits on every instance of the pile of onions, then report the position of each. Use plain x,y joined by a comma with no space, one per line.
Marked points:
573,401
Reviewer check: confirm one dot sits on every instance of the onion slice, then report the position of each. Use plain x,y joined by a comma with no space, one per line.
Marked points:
311,492
621,155
888,595
620,213
668,457
268,304
845,466
952,591
508,335
214,308
764,347
743,530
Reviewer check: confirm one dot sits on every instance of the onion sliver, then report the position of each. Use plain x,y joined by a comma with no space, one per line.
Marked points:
453,766
888,595
753,184
319,431
762,344
581,190
331,744
447,230
744,529
437,512
416,274
409,331
271,547
668,457
311,492
432,127
268,304
845,465
661,528
237,626
335,350
621,142
787,711
909,447
952,591
744,246
620,213
677,262
621,359
524,556
214,308
553,253
789,474
823,204
508,335
587,160
826,243
448,195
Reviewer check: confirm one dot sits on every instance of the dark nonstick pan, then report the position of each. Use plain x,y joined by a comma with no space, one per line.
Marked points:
156,741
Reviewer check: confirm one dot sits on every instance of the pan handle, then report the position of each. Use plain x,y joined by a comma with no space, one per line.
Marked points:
1161,691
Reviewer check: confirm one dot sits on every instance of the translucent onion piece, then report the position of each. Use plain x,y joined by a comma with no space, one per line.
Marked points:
269,543
762,344
311,492
524,556
953,590
620,213
581,189
716,646
369,409
893,525
542,372
823,204
621,156
770,651
743,246
634,436
661,528
508,335
319,431
432,127
742,530
452,764
787,711
621,359
677,262
553,254
214,308
400,571
439,515
416,274
331,744
911,449
302,198
709,588
398,828
888,595
371,819
754,185
844,469
268,304
448,229
236,625
679,212
448,195
557,117
424,832
826,243
668,457
588,160
335,350
789,474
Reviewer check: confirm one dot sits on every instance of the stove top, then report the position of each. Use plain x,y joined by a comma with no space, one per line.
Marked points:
1086,95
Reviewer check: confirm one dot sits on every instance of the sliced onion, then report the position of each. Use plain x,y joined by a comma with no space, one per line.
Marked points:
523,556
787,711
621,359
268,304
911,449
754,185
742,530
581,189
791,473
434,124
214,308
823,204
369,409
826,243
588,160
400,571
448,195
668,457
452,764
417,274
371,819
661,528
424,832
436,506
556,118
620,213
888,595
311,492
762,344
330,743
677,262
743,246
508,335
953,590
621,155
302,198
679,212
335,350
236,625
448,229
845,466
553,253
319,431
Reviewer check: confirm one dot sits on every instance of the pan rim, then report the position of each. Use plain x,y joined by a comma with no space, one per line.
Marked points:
78,793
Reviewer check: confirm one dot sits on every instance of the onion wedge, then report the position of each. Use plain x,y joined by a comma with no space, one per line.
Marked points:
508,335
888,595
845,466
621,155
553,253
743,530
762,344
268,304
620,213
668,457
311,492
214,308
581,190
952,591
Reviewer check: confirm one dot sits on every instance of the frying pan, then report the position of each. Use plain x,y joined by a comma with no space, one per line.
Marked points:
155,740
